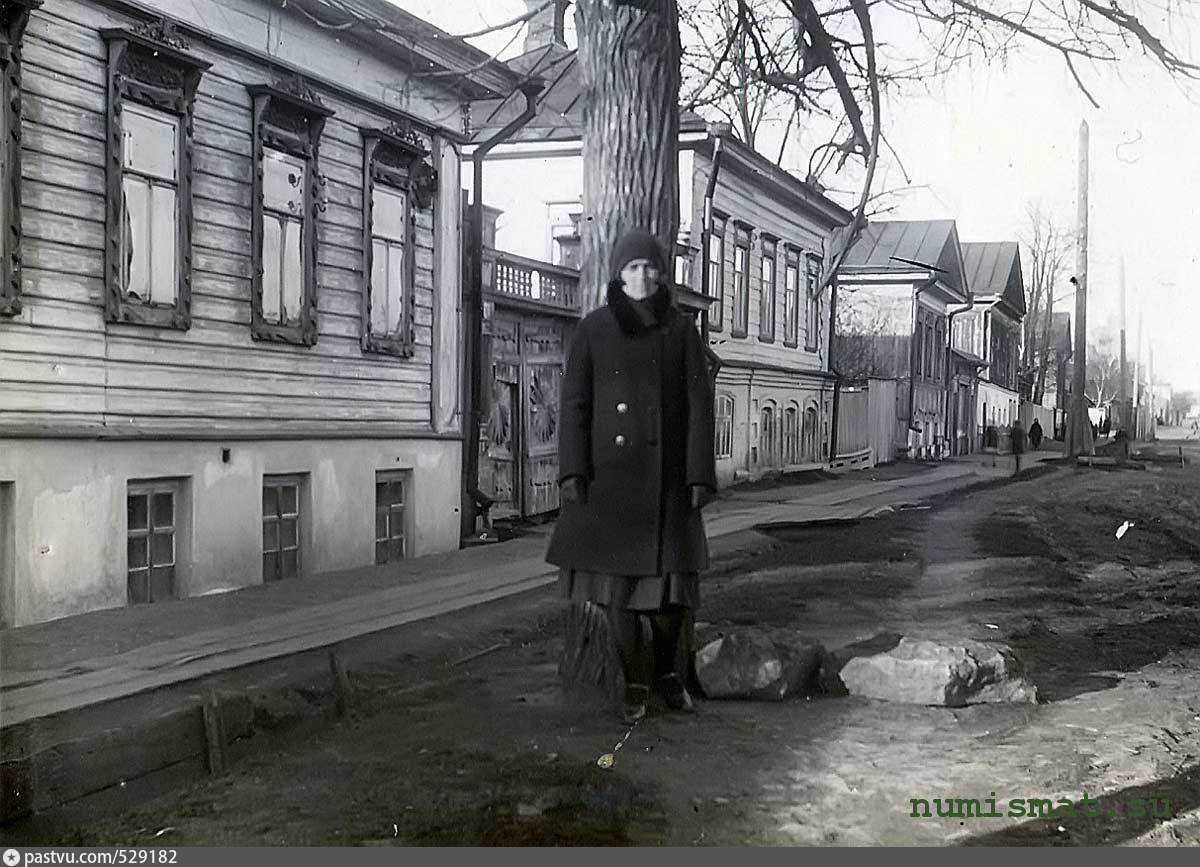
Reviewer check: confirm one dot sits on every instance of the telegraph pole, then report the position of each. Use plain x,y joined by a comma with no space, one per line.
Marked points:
1124,416
1078,420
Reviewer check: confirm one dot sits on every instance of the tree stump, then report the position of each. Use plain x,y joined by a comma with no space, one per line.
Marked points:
589,659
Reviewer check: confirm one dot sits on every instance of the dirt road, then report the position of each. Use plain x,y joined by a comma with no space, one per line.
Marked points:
437,750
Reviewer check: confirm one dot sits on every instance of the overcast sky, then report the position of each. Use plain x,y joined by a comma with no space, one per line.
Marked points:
991,138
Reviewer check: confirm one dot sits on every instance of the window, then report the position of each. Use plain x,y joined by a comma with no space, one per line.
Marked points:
716,273
152,86
791,299
791,435
724,427
287,121
281,527
768,441
812,320
808,435
741,281
395,181
150,548
13,17
390,524
766,295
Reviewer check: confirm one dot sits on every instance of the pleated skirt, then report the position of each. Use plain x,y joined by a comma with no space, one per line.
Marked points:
631,593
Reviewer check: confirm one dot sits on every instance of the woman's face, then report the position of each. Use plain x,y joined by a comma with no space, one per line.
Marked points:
640,278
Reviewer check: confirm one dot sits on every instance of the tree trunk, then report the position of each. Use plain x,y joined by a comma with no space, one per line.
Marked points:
629,56
629,62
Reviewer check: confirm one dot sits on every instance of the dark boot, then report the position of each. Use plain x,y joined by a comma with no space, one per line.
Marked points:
633,709
675,694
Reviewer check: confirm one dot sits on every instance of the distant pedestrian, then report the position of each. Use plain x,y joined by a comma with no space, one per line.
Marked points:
1035,434
1017,434
636,466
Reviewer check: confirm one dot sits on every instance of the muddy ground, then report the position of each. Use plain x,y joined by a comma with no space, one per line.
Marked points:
490,751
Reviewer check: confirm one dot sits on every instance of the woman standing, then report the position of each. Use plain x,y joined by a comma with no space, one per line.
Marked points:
636,466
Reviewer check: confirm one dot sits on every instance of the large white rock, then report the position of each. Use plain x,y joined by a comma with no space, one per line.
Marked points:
747,662
949,674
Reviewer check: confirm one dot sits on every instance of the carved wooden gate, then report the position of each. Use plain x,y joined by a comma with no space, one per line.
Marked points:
519,465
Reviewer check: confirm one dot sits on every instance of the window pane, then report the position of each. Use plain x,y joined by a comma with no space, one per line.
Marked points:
395,288
381,552
283,182
396,549
138,510
380,525
136,236
163,275
162,584
379,293
288,500
270,535
138,586
288,533
137,552
164,510
162,549
396,522
293,281
272,244
270,502
396,492
151,141
289,564
387,214
270,567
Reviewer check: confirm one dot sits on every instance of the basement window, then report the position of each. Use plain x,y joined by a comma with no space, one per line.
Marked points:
150,540
281,508
391,520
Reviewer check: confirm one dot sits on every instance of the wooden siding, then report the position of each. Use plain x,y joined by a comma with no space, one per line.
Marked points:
737,195
62,370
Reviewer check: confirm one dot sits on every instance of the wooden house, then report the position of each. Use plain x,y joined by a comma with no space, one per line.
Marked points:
993,329
897,289
229,341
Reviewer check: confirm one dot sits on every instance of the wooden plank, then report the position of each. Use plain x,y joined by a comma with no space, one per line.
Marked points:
213,136
40,139
20,337
61,170
55,114
50,398
233,193
65,61
46,85
228,405
22,705
220,262
222,164
60,258
53,313
63,31
37,370
271,359
219,213
233,241
42,285
81,203
61,229
268,386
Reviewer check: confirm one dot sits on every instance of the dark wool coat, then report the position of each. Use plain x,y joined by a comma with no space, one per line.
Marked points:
635,422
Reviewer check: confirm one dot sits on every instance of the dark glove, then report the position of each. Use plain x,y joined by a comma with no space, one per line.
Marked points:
701,495
573,490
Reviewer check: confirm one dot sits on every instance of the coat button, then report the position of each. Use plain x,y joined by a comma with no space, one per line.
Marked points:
622,408
620,440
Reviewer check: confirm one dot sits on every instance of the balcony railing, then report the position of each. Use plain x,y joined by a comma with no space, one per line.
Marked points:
529,280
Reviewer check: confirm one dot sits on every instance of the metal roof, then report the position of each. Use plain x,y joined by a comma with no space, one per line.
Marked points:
932,242
994,268
414,42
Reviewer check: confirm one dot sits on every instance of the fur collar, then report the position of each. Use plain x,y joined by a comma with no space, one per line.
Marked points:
627,317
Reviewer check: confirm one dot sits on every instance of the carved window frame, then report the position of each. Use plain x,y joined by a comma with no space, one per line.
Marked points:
716,271
149,65
812,303
791,268
287,116
395,158
13,18
739,325
768,292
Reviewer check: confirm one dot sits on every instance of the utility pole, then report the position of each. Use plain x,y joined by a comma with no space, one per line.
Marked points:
1123,415
1078,423
1136,433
